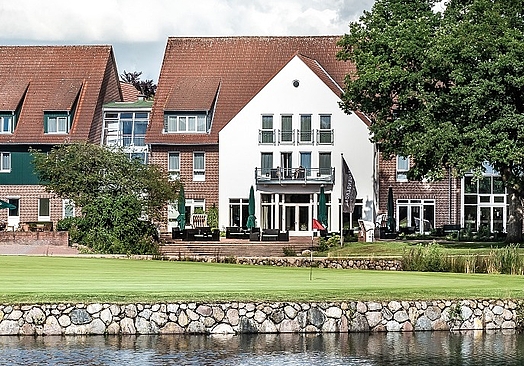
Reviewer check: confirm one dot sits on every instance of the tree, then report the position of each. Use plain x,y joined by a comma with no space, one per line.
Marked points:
114,194
146,87
445,88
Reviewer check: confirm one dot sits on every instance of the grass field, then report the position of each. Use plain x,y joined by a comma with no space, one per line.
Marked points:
28,279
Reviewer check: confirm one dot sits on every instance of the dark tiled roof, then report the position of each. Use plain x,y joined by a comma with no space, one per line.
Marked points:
244,65
53,78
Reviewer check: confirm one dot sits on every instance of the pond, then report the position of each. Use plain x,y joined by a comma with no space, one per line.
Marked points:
421,348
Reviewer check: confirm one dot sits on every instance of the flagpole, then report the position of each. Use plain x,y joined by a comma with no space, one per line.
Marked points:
342,200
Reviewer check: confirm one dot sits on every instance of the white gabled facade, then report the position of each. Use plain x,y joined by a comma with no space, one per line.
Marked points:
269,145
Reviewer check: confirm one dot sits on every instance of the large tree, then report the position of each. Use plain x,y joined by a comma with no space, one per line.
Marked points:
444,88
113,192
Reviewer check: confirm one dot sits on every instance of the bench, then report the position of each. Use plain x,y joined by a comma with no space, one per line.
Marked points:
274,235
237,232
201,234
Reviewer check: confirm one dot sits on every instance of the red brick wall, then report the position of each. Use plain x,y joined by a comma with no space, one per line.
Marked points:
29,195
60,238
208,189
439,191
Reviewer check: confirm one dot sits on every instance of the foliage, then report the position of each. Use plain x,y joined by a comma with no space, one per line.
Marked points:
289,251
326,244
115,195
445,88
212,217
146,87
425,258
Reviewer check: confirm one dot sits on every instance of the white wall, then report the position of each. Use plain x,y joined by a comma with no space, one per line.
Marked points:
240,151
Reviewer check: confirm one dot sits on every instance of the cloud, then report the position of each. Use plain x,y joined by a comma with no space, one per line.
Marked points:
138,29
155,20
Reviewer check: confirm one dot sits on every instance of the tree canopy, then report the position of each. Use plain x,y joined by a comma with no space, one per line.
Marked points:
146,87
444,88
114,193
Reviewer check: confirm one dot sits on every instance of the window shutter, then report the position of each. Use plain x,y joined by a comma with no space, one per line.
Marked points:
45,124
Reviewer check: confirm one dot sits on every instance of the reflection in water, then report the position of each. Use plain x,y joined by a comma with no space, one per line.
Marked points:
421,348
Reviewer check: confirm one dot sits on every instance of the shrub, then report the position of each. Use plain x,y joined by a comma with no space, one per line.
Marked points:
425,258
289,251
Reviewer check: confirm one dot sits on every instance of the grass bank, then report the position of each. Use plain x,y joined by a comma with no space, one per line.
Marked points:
65,279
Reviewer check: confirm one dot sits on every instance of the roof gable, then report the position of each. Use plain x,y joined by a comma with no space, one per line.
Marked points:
56,78
243,65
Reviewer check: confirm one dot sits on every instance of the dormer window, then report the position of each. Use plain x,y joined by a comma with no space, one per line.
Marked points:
6,122
57,122
185,123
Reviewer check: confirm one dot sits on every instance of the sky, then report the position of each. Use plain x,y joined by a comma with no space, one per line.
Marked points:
138,30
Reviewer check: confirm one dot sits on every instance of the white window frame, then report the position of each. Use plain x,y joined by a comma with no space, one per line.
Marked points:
54,124
401,170
267,134
190,123
46,217
5,162
323,132
199,174
173,171
10,123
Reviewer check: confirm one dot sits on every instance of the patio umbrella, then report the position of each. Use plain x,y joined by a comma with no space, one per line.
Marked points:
322,208
4,204
251,219
181,209
391,216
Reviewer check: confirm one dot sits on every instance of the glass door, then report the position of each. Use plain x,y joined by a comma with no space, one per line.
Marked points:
290,218
13,215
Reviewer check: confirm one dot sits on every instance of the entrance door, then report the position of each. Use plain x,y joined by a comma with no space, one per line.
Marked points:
297,219
492,218
290,218
13,216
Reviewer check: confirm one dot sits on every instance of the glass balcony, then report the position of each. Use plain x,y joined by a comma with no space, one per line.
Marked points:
298,175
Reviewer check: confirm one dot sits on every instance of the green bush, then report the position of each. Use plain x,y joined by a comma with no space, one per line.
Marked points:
289,251
425,258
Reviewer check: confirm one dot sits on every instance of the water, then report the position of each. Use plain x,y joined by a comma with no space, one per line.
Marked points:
422,348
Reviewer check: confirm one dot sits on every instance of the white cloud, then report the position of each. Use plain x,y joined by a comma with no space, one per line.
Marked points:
153,21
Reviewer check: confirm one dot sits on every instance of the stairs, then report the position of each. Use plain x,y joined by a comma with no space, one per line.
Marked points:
232,247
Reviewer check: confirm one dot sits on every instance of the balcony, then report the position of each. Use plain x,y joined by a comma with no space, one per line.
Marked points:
297,175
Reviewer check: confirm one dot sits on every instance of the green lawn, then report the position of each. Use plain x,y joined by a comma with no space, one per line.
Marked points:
28,279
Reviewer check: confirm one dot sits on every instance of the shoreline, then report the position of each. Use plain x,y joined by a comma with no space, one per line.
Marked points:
259,317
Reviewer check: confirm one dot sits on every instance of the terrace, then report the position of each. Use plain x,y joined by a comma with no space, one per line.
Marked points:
298,175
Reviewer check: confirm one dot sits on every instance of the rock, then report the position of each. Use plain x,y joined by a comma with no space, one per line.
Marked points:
401,316
127,326
64,321
35,316
393,326
96,327
232,317
433,313
359,323
423,323
113,329
80,317
159,318
288,326
247,326
52,326
106,316
204,310
316,317
196,328
223,329
373,318
268,327
334,312
94,308
183,320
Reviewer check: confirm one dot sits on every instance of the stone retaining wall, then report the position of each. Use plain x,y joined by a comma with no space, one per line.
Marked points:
231,318
318,262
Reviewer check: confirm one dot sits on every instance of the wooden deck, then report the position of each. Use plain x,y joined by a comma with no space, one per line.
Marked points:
233,247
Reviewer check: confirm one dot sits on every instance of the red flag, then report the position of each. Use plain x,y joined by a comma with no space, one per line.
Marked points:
317,225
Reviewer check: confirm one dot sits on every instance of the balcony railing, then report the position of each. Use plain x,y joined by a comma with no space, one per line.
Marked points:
266,137
325,137
286,137
299,175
